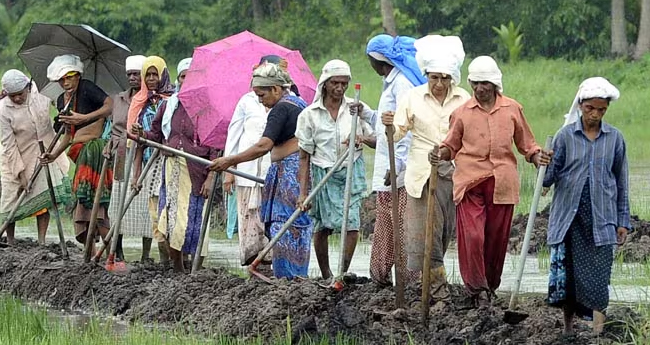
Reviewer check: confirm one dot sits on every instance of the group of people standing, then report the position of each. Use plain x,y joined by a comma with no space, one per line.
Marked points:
275,134
95,127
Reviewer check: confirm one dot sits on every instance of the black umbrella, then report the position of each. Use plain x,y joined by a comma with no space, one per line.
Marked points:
103,57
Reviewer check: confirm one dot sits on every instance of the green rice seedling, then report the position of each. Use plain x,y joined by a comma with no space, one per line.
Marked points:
544,259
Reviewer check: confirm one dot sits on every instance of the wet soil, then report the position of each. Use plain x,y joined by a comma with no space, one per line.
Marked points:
368,215
635,249
215,302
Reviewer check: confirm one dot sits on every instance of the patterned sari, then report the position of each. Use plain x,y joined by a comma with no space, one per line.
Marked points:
279,199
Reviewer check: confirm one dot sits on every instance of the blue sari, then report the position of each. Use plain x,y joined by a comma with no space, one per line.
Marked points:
279,198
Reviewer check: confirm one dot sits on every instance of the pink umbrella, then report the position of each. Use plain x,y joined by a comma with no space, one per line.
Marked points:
221,73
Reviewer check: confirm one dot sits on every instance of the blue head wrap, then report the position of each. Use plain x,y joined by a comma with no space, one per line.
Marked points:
401,53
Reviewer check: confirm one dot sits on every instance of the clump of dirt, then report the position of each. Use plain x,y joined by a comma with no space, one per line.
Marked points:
538,236
635,249
215,302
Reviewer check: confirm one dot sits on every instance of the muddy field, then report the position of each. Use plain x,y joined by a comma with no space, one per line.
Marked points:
214,301
636,248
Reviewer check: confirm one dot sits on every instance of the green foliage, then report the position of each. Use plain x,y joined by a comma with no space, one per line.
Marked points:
322,28
168,28
510,37
572,29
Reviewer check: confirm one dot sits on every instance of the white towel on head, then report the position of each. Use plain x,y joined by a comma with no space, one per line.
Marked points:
62,65
134,63
333,68
183,65
14,81
484,68
440,54
595,87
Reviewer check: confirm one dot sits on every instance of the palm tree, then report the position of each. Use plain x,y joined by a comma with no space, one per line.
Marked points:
388,17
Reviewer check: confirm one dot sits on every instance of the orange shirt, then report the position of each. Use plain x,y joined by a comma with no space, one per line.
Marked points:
481,144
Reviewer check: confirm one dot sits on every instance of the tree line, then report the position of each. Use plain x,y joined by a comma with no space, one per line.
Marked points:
571,29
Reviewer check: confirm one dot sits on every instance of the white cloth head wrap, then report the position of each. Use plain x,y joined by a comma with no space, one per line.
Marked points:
183,65
484,68
62,65
596,87
440,54
134,63
172,101
14,81
333,68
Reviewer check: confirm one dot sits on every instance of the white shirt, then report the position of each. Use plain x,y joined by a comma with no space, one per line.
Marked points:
421,113
395,86
322,137
245,130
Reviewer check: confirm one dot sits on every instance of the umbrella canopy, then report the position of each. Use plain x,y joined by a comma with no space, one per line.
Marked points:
221,73
103,57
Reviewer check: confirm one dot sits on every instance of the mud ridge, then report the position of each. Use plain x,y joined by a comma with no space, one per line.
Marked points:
216,302
635,249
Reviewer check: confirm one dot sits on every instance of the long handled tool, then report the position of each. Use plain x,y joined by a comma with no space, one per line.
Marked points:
397,239
111,265
260,256
55,207
511,316
428,242
204,226
92,226
132,196
348,184
194,158
30,184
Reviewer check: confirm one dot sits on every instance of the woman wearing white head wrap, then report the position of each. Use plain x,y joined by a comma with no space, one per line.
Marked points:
24,120
590,211
172,101
181,69
322,131
14,81
596,87
63,65
425,113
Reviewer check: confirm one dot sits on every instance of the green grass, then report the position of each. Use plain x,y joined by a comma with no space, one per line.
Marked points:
546,89
27,325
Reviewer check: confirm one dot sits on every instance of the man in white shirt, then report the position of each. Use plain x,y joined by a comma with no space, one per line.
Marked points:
394,60
323,130
425,112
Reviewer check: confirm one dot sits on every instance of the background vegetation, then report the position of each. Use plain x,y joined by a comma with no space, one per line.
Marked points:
572,29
